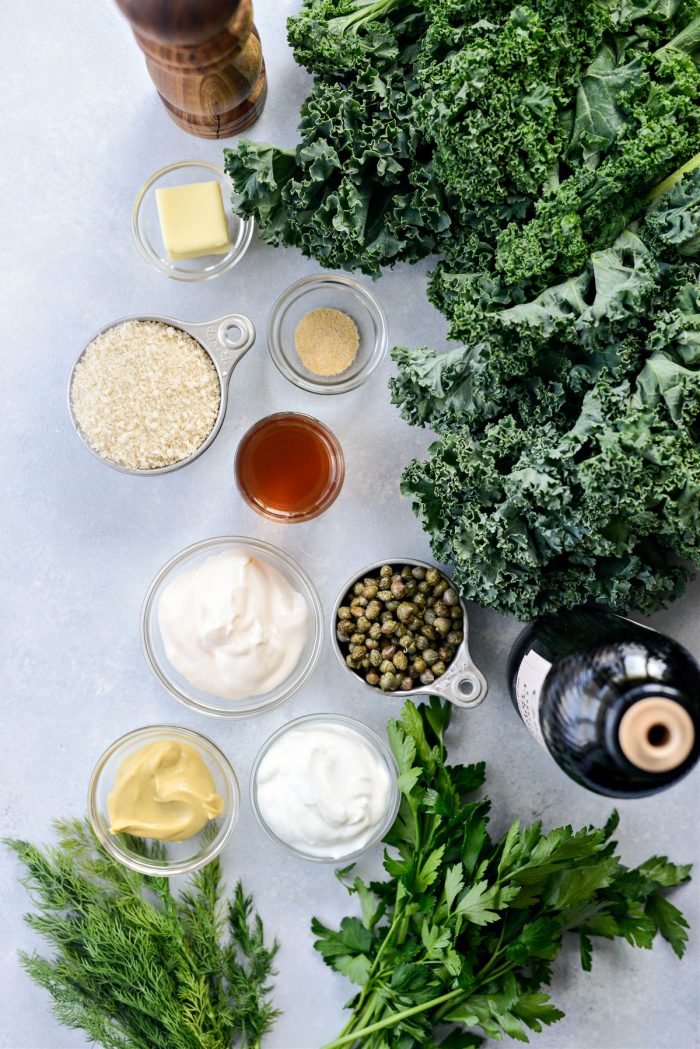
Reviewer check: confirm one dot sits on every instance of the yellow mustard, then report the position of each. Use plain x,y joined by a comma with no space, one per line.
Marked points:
163,790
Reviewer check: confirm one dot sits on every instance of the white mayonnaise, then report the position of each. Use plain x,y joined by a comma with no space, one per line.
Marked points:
323,789
233,625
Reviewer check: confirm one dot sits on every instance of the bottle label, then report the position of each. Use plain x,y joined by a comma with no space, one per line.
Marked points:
528,691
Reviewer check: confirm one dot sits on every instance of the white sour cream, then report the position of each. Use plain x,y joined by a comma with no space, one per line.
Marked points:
323,789
233,625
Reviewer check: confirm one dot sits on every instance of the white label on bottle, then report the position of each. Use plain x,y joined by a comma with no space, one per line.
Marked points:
528,691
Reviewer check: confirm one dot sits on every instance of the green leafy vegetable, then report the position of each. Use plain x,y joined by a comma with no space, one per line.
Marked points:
135,967
463,931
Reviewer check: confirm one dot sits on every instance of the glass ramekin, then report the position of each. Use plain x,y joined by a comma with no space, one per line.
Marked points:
378,745
336,475
145,224
176,684
179,857
330,291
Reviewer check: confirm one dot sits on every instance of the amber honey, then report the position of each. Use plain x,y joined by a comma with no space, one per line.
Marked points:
289,467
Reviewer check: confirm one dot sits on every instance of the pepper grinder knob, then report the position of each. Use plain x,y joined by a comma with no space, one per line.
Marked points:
205,59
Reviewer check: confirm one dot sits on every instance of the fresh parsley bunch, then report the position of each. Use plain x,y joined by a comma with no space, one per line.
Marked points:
464,930
136,967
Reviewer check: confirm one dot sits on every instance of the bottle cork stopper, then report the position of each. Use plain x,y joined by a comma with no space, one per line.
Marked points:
656,734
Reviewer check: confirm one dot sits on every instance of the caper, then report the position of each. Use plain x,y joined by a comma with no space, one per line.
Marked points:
441,624
385,570
415,624
422,643
456,614
352,663
358,606
390,627
384,595
357,638
424,587
418,572
346,627
400,660
450,596
365,663
429,632
389,682
375,631
405,611
386,666
369,592
375,657
440,587
389,651
406,572
371,644
432,576
454,638
419,600
363,624
398,589
406,640
445,652
419,665
392,605
372,678
430,656
411,587
358,588
358,651
373,609
441,609
429,616
344,612
438,668
427,677
406,683
370,580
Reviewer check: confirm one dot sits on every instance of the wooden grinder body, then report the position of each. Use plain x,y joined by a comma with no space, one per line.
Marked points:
205,59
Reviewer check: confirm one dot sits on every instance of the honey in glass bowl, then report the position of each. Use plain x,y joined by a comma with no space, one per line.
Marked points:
289,467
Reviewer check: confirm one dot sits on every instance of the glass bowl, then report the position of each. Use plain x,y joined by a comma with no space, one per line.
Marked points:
325,291
176,684
380,748
145,224
331,448
179,857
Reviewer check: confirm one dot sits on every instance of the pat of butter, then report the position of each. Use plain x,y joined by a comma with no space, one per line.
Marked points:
192,220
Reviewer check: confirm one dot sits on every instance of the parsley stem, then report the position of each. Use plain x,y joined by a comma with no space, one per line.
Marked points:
395,1018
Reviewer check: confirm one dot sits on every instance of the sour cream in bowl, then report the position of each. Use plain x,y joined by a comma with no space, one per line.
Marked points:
324,788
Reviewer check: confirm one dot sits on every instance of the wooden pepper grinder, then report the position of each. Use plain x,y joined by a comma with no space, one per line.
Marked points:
205,59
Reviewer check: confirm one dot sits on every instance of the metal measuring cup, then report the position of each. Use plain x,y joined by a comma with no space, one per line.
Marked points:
462,683
225,350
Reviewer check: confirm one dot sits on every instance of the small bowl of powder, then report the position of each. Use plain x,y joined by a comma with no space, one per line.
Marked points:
327,333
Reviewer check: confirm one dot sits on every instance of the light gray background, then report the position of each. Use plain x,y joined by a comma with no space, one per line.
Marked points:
83,128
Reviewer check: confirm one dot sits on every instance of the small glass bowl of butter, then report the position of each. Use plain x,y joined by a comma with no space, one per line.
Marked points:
183,225
123,788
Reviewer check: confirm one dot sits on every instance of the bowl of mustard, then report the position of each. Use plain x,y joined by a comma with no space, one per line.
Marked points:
163,800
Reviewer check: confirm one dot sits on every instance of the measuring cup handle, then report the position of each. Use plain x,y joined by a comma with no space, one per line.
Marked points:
227,339
462,684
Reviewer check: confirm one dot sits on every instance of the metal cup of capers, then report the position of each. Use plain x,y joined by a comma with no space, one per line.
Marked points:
400,627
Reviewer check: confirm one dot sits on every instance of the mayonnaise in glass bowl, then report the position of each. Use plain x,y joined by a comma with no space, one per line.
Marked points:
177,857
385,764
198,698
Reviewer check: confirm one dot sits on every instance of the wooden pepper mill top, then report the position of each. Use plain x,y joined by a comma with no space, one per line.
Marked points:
205,59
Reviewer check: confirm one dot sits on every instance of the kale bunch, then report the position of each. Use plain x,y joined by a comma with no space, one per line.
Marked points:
569,470
358,192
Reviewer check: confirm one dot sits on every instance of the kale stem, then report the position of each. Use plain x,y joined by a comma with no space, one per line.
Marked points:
395,1018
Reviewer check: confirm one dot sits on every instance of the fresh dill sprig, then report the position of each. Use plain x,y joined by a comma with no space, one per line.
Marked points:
136,967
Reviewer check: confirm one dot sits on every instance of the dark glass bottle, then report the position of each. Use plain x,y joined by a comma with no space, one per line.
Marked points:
616,704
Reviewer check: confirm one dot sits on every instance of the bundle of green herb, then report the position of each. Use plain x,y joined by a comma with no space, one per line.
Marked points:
463,932
135,967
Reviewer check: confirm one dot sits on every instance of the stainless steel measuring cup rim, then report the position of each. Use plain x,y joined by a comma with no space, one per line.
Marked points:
224,351
462,683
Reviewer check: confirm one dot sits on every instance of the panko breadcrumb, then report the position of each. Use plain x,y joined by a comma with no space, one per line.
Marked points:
145,395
